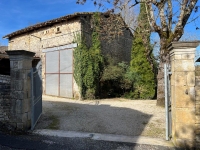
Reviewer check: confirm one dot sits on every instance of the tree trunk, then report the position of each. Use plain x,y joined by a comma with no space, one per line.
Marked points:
160,86
164,58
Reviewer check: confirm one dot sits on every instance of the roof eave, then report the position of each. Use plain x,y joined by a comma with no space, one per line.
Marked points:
44,24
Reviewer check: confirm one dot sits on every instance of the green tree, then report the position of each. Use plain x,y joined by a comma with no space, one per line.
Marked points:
144,82
141,64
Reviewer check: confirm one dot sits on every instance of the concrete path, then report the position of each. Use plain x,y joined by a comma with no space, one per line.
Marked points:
52,140
106,137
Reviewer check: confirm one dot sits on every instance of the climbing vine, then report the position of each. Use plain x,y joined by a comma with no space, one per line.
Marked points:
88,63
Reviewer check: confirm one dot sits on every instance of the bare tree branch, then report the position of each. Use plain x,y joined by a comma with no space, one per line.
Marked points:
186,9
152,18
192,20
162,17
170,15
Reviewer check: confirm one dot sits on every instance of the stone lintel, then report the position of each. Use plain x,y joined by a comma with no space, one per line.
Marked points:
20,52
183,45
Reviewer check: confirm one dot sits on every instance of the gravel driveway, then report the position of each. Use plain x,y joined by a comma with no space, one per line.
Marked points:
110,116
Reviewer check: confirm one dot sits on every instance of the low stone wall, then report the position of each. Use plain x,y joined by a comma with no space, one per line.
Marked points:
197,103
5,103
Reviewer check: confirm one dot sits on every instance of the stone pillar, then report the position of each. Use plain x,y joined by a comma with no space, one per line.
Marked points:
182,56
20,65
197,94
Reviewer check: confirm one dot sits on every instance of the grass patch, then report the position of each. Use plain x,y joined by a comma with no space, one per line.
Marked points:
54,123
154,131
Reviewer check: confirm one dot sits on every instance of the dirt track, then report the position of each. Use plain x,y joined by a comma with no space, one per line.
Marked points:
111,116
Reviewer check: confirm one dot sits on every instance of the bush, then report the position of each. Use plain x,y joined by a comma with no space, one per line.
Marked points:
113,81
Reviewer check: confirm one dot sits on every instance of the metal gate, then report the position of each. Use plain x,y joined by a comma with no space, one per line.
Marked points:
36,94
167,75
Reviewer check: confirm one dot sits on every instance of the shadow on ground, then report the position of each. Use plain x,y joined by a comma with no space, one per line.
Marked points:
70,116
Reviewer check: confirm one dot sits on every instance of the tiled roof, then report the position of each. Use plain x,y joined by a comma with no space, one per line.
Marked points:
47,23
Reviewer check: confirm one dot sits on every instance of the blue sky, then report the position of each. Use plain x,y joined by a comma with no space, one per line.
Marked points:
17,14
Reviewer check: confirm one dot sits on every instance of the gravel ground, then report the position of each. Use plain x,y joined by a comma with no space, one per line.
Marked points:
110,116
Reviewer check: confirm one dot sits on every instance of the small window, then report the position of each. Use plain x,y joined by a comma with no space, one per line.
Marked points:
46,32
58,30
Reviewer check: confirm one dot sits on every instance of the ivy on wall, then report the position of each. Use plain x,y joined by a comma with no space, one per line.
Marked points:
88,63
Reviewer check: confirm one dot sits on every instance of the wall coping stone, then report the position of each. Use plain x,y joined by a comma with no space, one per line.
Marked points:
183,45
187,51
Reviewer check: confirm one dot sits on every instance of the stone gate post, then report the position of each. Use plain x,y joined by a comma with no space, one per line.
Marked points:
20,65
182,56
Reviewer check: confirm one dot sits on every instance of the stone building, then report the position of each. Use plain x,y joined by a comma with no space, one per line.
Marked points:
53,42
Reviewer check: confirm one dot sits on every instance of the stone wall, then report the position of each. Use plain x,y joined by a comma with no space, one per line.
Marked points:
86,30
118,41
46,37
197,103
117,46
5,103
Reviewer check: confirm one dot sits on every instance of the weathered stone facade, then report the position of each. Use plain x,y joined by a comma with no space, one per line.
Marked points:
197,103
20,65
4,98
184,101
40,39
64,31
15,92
